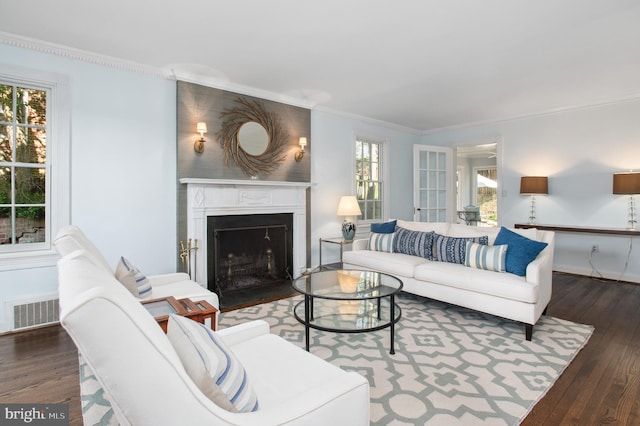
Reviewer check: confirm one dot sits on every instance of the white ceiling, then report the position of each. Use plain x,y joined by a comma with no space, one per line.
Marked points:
421,64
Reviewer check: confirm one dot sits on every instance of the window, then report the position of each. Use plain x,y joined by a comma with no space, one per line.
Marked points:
23,165
34,170
369,179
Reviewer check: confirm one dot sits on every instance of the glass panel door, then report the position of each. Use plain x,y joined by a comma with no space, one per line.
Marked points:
433,195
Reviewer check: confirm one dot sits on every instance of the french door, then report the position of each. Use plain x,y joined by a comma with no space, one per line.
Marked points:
433,184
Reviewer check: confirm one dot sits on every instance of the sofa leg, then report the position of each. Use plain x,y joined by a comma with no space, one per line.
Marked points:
545,310
528,331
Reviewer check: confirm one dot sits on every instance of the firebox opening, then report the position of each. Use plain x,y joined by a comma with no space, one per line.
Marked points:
249,257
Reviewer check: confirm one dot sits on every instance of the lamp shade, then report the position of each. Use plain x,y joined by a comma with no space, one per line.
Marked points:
626,183
201,127
534,185
348,206
302,142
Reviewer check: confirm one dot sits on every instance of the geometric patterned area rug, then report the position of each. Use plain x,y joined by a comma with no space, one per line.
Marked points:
452,366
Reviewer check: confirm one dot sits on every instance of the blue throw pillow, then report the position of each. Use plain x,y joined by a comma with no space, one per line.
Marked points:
384,228
521,252
381,242
414,243
453,249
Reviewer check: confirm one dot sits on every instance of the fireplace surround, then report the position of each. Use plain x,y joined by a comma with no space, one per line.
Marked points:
225,197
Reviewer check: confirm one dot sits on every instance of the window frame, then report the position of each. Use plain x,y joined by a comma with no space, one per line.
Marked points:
383,173
57,197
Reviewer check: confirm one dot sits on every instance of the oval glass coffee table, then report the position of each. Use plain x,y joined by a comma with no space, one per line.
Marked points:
348,301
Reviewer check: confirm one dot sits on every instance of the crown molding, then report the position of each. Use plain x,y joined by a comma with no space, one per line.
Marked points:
135,67
622,99
228,86
369,120
77,54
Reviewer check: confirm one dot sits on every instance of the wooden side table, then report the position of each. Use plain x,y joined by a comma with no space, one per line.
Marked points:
199,310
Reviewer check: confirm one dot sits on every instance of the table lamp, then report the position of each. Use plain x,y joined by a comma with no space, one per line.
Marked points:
533,185
349,208
628,184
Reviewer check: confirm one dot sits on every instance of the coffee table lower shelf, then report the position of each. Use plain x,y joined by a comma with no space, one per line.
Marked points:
348,316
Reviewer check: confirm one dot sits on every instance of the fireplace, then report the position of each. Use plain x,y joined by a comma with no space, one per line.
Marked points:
208,199
249,257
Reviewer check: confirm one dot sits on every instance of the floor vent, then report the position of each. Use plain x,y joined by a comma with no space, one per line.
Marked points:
36,313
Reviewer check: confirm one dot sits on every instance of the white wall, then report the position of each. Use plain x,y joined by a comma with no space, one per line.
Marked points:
579,151
333,173
123,168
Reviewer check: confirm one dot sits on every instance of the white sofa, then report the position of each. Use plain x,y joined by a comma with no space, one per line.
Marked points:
137,371
522,299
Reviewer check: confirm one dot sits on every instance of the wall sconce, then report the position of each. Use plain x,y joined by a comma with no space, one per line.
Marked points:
303,144
349,208
201,128
532,185
628,184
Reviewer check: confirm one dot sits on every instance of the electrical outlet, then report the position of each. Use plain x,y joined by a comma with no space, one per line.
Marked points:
595,248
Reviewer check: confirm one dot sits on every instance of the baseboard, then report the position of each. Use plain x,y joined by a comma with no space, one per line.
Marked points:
608,275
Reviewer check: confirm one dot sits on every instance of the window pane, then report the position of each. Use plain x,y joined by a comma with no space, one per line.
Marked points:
6,142
6,103
30,225
433,160
5,185
31,146
32,106
374,153
375,171
442,161
30,185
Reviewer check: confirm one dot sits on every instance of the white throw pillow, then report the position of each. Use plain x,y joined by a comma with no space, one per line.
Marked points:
133,279
211,365
481,256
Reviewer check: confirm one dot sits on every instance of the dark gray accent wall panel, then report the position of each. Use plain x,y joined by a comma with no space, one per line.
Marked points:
201,103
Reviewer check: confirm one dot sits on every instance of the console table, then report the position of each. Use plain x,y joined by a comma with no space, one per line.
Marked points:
581,229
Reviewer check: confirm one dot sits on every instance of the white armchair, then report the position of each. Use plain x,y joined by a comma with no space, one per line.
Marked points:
135,368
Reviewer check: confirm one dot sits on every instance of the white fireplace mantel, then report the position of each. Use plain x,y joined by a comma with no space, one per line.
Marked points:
219,197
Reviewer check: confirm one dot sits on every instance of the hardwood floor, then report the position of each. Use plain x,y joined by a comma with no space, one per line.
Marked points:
601,386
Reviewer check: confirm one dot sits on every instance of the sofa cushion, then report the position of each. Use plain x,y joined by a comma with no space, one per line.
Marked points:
381,242
438,227
134,280
384,228
414,243
390,263
459,230
453,249
508,286
521,252
481,256
211,365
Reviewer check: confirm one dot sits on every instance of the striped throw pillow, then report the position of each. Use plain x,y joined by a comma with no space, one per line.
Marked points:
491,258
211,365
134,280
453,249
414,243
381,242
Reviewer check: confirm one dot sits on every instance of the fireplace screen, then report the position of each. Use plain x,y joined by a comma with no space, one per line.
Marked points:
248,253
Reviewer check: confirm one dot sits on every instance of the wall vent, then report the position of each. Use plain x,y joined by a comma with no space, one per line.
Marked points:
28,314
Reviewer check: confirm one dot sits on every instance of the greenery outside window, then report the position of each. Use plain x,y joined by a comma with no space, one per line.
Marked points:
369,179
23,165
34,169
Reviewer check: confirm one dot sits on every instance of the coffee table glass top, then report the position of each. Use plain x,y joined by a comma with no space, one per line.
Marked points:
347,284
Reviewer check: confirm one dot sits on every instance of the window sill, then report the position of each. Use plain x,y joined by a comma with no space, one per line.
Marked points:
28,260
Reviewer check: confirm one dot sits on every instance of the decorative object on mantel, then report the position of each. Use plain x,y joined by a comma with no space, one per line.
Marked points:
300,154
533,185
252,137
198,145
628,184
349,208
